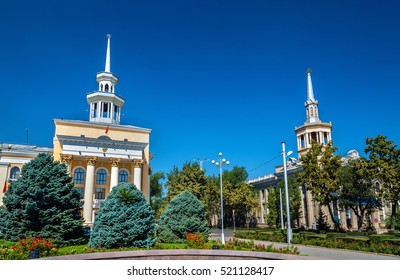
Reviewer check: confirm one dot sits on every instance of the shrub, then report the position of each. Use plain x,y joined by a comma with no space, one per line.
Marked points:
125,219
185,213
195,240
335,235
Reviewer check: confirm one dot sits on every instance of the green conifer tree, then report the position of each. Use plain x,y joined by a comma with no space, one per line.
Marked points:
185,213
125,219
43,201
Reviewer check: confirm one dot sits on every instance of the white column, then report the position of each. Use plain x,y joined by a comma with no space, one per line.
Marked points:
89,188
114,172
137,173
261,206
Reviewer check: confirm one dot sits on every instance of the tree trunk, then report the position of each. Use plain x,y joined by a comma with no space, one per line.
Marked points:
336,224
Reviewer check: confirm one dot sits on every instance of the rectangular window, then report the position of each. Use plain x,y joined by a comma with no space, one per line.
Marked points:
94,110
100,193
116,112
106,111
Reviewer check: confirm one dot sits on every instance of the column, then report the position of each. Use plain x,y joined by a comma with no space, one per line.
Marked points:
261,206
310,208
67,160
114,172
303,208
89,188
137,173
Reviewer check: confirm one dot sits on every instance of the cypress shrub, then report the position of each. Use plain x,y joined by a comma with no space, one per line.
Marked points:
124,219
185,213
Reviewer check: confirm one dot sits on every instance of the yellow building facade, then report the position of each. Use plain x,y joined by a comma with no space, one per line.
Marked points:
100,152
12,158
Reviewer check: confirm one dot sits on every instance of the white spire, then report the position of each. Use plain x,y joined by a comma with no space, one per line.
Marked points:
107,68
310,93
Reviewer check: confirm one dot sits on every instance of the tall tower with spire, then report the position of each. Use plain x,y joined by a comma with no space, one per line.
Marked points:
105,104
100,153
313,129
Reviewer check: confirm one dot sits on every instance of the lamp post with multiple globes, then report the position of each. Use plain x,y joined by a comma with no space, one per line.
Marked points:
219,164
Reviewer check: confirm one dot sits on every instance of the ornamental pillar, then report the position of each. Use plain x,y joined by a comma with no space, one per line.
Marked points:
114,172
137,173
261,206
89,188
67,160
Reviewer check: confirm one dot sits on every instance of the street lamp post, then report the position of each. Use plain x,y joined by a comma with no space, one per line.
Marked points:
280,200
289,228
219,164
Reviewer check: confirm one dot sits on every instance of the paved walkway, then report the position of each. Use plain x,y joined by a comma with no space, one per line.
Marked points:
316,252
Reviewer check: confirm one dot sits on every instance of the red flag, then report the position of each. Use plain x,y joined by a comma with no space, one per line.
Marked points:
106,129
5,186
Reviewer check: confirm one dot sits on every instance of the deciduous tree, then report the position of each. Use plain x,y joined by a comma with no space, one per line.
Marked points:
384,159
320,175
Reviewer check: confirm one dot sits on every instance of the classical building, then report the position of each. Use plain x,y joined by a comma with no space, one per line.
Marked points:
12,158
313,129
101,152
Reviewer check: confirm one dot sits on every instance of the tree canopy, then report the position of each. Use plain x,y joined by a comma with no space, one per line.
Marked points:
384,157
320,175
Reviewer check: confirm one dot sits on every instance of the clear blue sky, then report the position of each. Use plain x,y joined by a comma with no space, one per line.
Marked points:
206,76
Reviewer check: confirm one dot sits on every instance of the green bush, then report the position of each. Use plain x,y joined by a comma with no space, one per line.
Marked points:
335,235
184,214
125,219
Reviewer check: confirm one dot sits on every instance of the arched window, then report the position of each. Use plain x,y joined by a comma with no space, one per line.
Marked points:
101,178
106,87
79,175
15,173
123,176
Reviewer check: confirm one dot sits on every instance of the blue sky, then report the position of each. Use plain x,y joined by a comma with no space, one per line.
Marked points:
205,76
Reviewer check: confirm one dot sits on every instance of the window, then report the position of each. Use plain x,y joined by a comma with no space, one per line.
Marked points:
302,141
116,112
123,176
106,110
94,110
79,176
106,87
325,138
101,178
100,193
14,173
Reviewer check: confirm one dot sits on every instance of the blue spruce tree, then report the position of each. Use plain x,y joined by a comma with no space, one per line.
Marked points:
185,213
43,201
125,219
